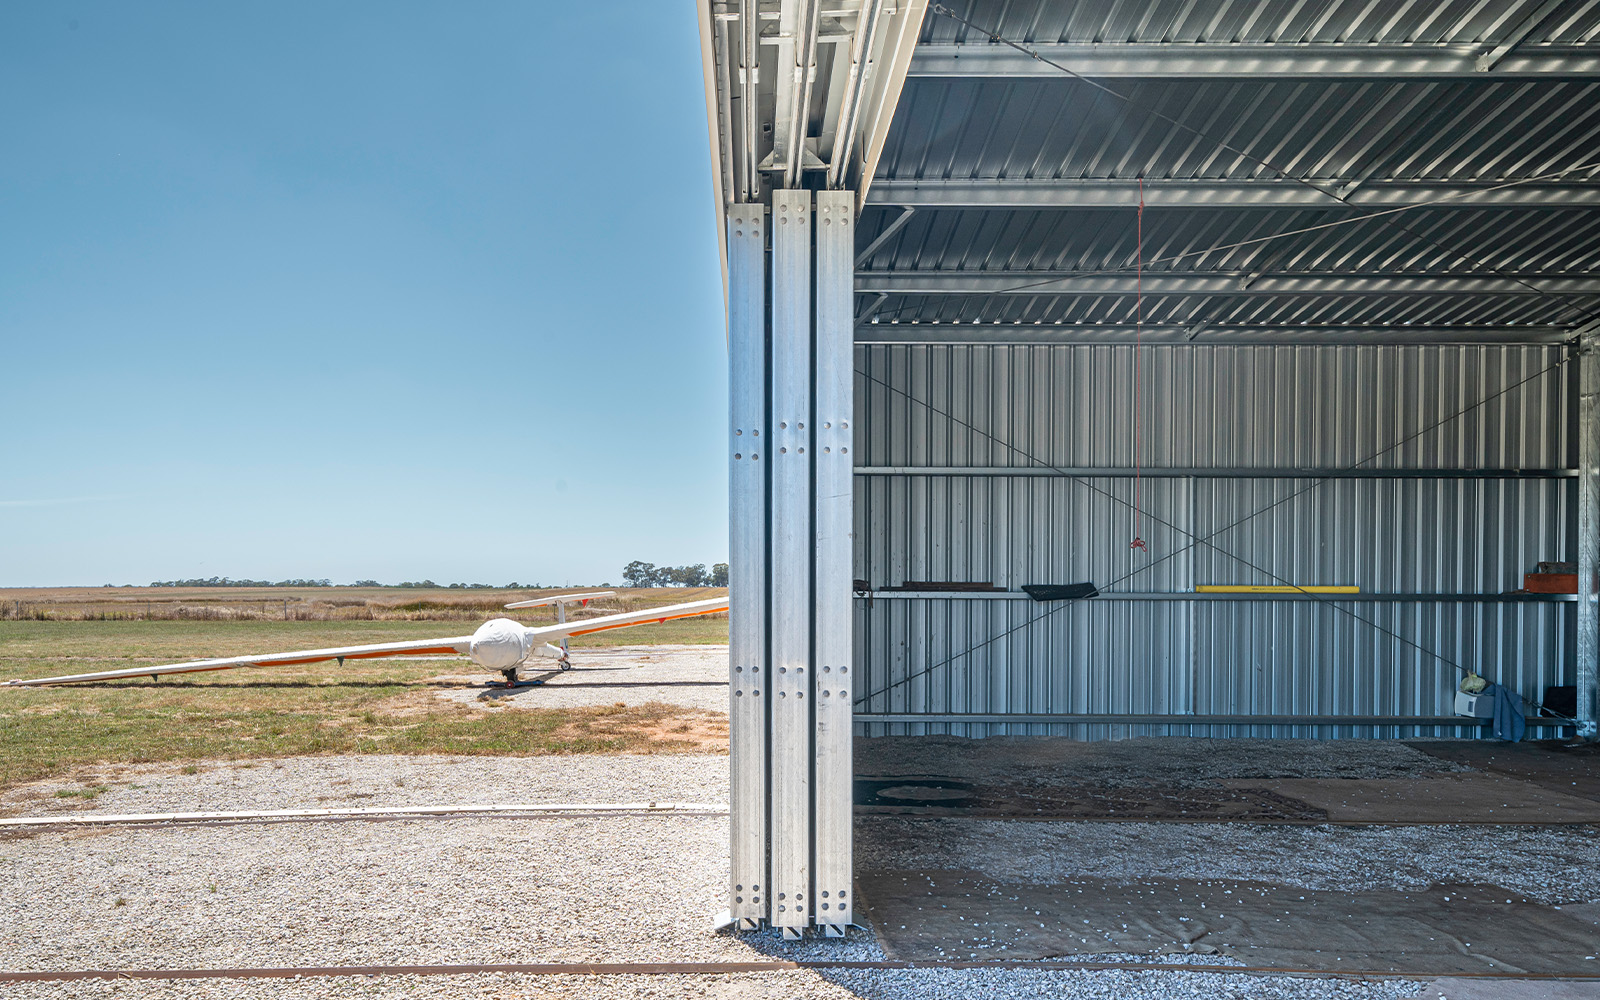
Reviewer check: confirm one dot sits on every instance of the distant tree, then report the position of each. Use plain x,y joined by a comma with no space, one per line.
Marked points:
691,576
222,581
639,574
366,583
643,574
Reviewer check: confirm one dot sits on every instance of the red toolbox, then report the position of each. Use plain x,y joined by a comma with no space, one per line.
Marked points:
1550,583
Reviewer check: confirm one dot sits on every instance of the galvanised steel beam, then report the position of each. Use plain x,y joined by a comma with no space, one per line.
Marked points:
748,690
789,676
1213,283
1193,60
1241,472
833,901
1000,193
1200,335
1504,44
1588,651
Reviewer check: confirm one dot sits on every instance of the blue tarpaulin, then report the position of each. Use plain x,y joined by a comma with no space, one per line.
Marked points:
1509,723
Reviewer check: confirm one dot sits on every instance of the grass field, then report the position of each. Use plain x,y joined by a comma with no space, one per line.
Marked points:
372,706
313,603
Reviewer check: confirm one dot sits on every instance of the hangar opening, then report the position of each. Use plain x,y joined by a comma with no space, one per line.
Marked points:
1142,369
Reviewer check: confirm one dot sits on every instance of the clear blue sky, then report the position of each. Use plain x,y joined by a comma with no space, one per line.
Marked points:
356,290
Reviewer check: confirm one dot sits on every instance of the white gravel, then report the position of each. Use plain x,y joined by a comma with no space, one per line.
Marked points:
488,890
437,891
1548,864
936,984
687,676
378,780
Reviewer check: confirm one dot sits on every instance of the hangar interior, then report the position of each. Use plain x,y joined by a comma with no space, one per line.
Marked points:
1273,323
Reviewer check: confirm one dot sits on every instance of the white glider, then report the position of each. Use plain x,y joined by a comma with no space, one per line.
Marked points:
499,644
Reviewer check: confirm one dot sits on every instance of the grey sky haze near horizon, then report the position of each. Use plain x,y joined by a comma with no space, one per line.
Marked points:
357,291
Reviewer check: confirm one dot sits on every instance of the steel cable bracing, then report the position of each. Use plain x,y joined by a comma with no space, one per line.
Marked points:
1197,540
1383,215
1138,373
1585,313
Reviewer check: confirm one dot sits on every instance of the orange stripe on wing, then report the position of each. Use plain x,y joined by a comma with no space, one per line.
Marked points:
425,651
650,621
428,651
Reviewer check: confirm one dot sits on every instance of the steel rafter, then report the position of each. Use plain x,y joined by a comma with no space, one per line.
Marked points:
1006,193
1215,283
1198,60
1210,336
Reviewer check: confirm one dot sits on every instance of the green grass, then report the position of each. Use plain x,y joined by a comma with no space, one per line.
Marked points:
371,706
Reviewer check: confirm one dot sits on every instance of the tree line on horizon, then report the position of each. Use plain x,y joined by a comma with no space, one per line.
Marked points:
635,574
643,574
223,581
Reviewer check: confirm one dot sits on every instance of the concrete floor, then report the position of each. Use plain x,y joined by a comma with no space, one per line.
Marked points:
1434,858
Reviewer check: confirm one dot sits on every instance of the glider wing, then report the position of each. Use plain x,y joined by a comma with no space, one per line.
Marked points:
417,647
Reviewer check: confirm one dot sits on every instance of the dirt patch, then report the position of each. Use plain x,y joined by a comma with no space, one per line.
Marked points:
74,791
650,729
943,914
1163,762
934,796
416,703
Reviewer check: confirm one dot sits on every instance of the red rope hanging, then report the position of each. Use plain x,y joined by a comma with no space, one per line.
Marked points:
1138,371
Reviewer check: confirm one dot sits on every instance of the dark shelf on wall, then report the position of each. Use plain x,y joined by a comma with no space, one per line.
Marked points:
1090,719
1240,472
1017,595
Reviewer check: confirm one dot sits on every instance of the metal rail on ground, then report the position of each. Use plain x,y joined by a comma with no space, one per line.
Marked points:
524,810
778,965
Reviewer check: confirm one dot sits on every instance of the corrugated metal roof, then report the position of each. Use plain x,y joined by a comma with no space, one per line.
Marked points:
1354,22
1025,151
1334,130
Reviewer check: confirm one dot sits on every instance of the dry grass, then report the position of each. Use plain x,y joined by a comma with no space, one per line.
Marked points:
313,604
372,706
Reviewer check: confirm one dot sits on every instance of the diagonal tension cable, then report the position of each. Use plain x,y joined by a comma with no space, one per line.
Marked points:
1197,540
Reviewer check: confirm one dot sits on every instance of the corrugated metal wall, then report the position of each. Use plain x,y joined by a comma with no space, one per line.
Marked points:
1003,409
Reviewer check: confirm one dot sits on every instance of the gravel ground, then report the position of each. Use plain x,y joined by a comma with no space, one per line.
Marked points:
1165,761
688,676
331,782
435,891
1548,864
485,890
832,985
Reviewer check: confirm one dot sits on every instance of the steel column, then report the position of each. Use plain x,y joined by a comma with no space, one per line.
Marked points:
791,560
831,704
747,558
1588,673
791,341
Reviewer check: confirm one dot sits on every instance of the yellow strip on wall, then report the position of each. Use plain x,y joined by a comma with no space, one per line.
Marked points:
1228,588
